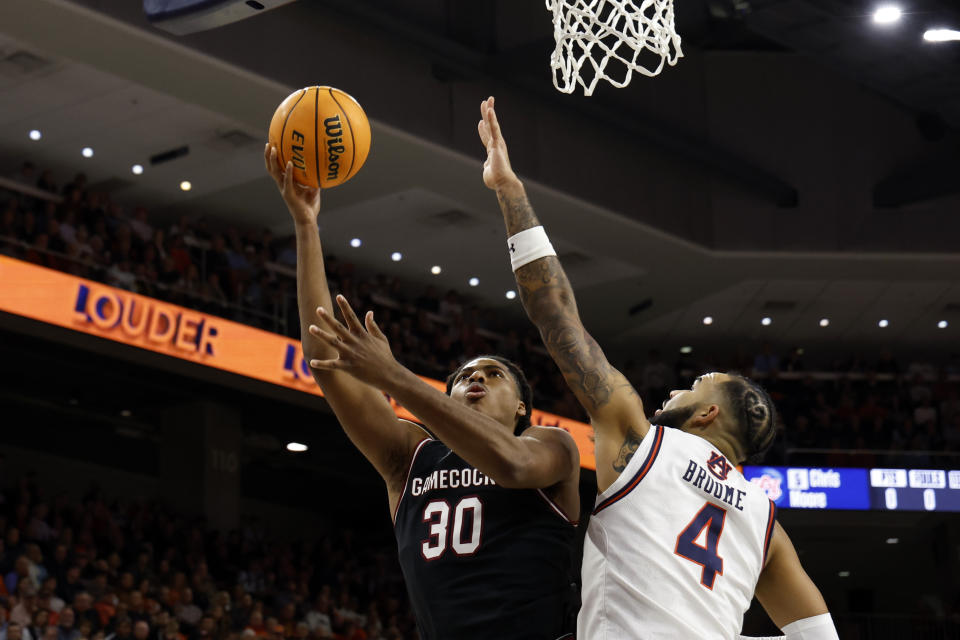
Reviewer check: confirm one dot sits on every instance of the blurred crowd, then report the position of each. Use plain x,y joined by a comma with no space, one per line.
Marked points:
101,570
872,403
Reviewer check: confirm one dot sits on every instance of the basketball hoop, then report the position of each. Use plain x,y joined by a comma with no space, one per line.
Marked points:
616,37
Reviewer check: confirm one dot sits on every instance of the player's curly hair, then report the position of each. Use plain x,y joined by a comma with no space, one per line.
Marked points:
753,409
523,387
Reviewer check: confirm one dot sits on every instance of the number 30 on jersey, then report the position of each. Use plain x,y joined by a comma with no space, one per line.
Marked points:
467,527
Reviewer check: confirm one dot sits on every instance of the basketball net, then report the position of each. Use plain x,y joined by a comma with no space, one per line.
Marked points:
616,37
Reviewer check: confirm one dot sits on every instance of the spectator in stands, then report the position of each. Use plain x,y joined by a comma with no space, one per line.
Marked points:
123,630
48,596
71,585
84,611
27,174
188,613
20,573
766,363
656,379
67,625
38,625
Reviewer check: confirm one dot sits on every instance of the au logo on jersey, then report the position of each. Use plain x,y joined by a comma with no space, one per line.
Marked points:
718,465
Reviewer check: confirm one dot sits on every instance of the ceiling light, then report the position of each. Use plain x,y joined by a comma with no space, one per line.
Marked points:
296,447
686,349
887,14
35,134
87,152
185,185
126,413
708,320
941,35
137,169
942,324
824,322
844,574
435,269
396,256
474,282
883,324
511,294
766,322
355,242
893,540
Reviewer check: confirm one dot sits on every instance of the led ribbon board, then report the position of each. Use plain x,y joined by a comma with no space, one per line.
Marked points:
859,489
113,314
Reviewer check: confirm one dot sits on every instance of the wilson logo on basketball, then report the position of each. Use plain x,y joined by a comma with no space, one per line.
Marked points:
335,146
297,157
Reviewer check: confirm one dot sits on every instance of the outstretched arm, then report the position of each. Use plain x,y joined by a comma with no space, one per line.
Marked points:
614,407
788,594
540,458
364,412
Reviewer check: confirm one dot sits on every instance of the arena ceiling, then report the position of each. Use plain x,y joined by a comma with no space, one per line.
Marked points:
744,183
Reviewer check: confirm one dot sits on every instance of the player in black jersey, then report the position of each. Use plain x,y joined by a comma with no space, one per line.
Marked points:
481,500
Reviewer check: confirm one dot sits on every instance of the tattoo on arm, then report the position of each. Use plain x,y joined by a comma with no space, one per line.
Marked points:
517,212
548,299
629,447
549,302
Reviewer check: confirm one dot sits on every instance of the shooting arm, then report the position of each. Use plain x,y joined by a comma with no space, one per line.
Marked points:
366,416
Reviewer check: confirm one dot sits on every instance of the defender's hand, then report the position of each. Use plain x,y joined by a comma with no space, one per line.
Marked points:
363,352
303,202
497,172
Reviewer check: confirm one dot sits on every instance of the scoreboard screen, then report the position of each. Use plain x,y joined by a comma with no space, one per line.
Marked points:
858,489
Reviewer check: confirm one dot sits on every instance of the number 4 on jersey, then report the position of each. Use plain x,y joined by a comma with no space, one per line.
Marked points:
711,518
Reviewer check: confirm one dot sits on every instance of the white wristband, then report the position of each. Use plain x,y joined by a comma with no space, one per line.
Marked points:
529,245
813,628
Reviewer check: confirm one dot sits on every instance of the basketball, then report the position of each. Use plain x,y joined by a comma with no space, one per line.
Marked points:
324,132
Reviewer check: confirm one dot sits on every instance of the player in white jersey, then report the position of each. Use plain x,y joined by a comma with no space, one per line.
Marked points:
679,542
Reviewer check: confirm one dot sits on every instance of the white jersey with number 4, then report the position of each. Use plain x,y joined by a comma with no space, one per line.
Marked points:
674,546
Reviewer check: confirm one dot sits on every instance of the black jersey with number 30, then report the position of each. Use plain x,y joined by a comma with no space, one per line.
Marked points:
482,561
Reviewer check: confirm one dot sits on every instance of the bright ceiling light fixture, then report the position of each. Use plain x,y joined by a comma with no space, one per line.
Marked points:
511,294
137,169
943,324
87,152
435,269
396,256
296,447
708,320
185,185
887,14
35,134
686,349
941,35
824,322
474,282
355,242
766,322
883,324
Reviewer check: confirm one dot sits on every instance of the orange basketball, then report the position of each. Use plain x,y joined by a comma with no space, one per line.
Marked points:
324,132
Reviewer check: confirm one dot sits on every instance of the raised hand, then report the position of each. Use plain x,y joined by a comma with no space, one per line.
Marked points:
497,172
303,202
363,351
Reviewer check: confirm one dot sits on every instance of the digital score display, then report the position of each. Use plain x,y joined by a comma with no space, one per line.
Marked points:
915,490
858,489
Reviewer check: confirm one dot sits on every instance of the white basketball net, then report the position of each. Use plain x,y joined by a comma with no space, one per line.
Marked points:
612,35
